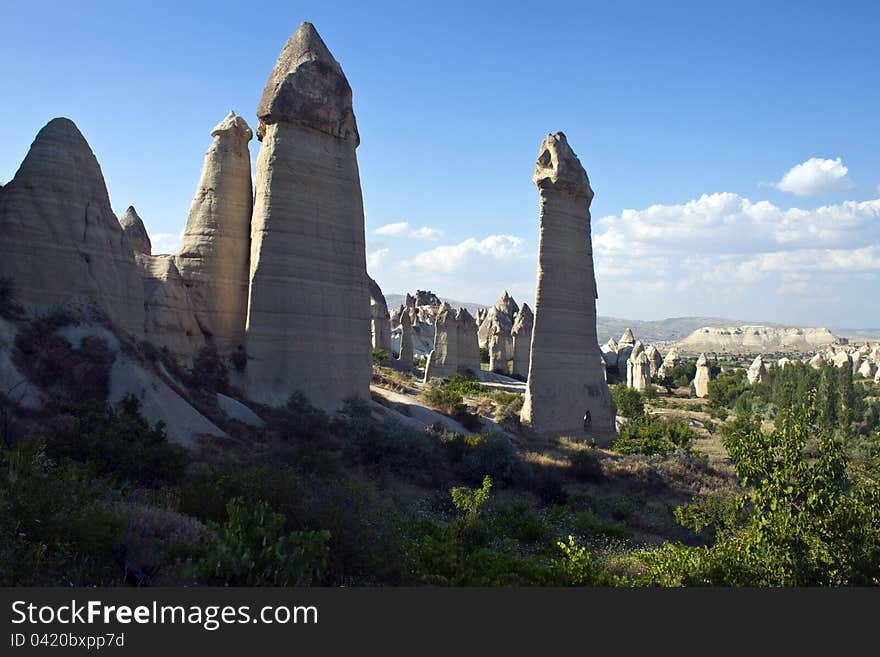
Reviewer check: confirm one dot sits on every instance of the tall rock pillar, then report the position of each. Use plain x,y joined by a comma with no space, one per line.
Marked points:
566,393
214,252
308,323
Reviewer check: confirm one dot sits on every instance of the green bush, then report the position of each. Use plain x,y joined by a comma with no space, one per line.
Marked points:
508,411
51,362
585,465
576,566
810,517
53,528
490,454
209,371
650,435
628,401
727,388
118,443
547,485
589,525
465,386
392,447
250,549
520,522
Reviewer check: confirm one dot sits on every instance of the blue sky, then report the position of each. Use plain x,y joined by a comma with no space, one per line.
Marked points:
687,117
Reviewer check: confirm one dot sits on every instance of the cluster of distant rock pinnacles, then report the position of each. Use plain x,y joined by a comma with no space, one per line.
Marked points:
274,269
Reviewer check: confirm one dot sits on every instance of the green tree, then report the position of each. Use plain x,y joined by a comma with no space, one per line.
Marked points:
808,519
629,401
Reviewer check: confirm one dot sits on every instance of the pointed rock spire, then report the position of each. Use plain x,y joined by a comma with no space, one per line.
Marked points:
307,87
702,377
59,238
136,232
215,248
308,323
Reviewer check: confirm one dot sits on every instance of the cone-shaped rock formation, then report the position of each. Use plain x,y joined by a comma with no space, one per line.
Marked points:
308,326
59,238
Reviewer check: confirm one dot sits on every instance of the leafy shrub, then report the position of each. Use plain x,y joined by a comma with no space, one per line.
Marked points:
117,442
519,521
51,362
547,485
380,356
726,389
490,454
590,525
209,371
444,399
585,465
464,385
53,528
470,501
679,376
392,447
576,566
650,435
628,401
299,420
250,549
809,518
508,411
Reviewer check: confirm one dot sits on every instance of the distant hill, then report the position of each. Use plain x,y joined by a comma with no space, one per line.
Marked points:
671,329
752,339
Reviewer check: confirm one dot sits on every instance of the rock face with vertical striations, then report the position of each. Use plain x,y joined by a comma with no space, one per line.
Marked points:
468,345
380,319
308,324
59,238
404,360
566,393
655,358
134,229
640,377
702,377
637,350
625,347
443,360
170,319
522,340
215,248
757,370
498,326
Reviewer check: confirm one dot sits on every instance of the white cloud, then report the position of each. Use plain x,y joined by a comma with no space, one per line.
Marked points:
393,230
376,258
403,229
816,176
456,257
166,243
725,254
